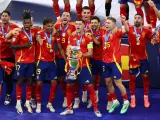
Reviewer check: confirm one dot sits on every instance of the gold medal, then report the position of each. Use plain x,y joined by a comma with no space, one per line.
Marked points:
105,45
138,41
51,50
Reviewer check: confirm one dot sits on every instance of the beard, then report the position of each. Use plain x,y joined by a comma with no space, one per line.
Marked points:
137,24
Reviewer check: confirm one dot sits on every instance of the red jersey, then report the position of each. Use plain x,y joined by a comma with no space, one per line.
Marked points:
46,51
25,55
97,49
111,48
5,50
65,32
138,50
85,42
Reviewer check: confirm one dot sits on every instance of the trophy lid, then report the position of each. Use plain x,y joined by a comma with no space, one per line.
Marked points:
75,48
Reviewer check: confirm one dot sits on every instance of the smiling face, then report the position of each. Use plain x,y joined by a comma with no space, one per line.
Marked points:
95,24
109,24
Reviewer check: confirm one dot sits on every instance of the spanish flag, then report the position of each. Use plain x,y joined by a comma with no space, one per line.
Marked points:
125,62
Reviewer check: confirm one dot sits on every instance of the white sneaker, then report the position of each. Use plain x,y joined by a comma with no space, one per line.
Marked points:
84,97
66,112
109,105
38,109
76,103
50,107
65,102
89,104
19,109
97,113
29,109
33,103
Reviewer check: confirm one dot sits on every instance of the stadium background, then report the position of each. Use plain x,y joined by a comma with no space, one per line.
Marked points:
42,8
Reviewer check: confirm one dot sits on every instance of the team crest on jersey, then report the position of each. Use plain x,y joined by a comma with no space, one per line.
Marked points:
24,37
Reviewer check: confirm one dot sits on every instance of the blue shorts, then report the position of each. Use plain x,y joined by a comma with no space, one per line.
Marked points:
112,70
85,77
60,67
144,68
96,66
48,68
25,69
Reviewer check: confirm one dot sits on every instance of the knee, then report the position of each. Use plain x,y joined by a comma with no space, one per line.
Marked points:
118,83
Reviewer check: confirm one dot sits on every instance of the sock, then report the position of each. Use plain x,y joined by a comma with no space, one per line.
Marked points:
79,10
132,84
76,89
92,9
108,9
127,12
56,10
33,91
139,11
18,92
125,97
93,97
28,92
123,11
27,101
84,87
52,92
153,17
97,82
113,96
146,84
63,86
18,102
148,19
70,90
67,8
38,92
109,97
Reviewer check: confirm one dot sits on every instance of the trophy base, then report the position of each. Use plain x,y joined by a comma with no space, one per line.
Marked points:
71,77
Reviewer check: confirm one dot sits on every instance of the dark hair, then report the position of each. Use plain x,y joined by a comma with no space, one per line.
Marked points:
85,8
80,19
112,19
26,15
47,20
139,15
67,12
5,11
95,18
